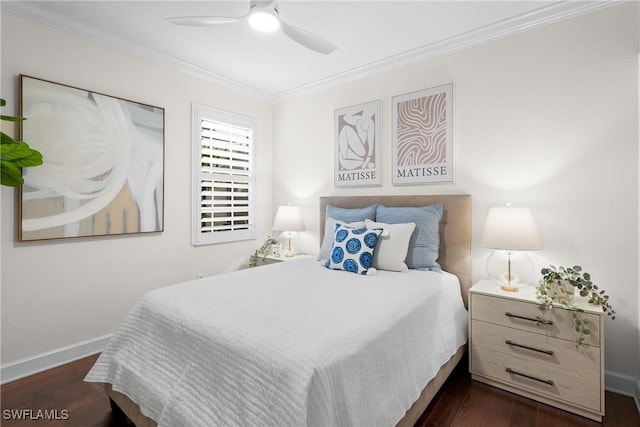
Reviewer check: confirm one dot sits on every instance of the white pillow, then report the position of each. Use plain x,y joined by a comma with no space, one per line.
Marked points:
329,231
392,247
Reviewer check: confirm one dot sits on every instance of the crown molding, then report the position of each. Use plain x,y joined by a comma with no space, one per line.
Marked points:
553,13
42,16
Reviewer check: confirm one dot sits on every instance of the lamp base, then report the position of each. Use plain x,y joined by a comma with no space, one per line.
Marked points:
288,241
522,270
509,288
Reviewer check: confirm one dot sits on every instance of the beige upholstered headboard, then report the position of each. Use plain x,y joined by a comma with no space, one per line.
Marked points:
455,227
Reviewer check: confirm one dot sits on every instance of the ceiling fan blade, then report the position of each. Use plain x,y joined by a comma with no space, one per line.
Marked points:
307,39
262,4
198,21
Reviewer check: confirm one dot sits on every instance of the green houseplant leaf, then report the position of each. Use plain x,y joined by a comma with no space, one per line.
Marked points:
549,292
15,155
260,253
11,174
21,154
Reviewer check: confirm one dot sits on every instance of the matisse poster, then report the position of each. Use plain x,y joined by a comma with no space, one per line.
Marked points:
357,145
422,136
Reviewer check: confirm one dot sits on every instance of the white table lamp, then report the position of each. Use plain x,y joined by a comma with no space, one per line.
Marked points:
288,220
511,229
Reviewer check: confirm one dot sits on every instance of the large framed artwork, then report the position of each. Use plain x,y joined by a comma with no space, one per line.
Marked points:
422,136
103,164
357,145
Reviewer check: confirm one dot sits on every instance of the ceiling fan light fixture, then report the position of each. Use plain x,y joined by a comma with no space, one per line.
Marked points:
264,21
263,15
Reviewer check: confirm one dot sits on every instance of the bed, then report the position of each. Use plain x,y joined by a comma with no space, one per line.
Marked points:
297,343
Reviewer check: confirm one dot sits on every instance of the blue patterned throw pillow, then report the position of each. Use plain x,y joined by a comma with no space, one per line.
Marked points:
353,249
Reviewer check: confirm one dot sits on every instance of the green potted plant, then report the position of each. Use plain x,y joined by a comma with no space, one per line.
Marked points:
15,155
260,253
559,285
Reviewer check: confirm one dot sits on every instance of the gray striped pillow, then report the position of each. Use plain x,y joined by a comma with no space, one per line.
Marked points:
424,245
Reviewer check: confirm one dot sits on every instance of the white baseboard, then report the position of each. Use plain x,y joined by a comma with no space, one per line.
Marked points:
623,384
41,362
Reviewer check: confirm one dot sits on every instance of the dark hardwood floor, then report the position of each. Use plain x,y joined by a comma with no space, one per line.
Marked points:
461,402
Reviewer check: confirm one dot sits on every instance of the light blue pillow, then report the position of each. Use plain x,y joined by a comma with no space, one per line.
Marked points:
353,249
424,245
351,215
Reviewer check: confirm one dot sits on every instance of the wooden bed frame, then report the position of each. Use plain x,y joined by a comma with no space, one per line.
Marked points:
455,257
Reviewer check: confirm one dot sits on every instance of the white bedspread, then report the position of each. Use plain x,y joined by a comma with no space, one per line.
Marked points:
287,344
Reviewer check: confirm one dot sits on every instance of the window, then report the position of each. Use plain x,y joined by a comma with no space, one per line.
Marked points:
223,176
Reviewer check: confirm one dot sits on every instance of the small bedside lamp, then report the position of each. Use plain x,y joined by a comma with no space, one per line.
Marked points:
288,220
510,228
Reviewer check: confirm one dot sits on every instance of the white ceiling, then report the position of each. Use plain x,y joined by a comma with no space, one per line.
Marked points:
371,35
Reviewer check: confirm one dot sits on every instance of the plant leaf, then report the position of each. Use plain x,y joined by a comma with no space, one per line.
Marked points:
6,139
21,154
10,174
11,118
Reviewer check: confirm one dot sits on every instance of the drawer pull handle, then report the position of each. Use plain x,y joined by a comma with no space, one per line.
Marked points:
539,350
530,319
511,371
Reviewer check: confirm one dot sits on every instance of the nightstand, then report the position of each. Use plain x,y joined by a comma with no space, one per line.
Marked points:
271,259
509,351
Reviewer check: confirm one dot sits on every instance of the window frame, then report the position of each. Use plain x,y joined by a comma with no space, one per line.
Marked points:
198,114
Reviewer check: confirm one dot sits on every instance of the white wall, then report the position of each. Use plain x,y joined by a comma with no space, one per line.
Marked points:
59,293
546,118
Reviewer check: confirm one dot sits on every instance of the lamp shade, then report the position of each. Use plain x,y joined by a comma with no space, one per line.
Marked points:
288,218
511,228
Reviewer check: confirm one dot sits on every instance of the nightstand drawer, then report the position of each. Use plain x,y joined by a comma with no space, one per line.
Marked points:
581,389
522,315
541,349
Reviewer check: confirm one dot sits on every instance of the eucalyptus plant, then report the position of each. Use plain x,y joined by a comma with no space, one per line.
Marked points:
260,253
552,289
15,155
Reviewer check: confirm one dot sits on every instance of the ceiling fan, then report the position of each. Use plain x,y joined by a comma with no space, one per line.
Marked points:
263,15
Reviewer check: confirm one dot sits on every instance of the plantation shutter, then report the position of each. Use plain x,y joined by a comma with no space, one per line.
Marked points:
224,177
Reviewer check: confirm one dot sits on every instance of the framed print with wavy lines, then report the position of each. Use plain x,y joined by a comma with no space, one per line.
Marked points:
103,164
357,145
422,136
